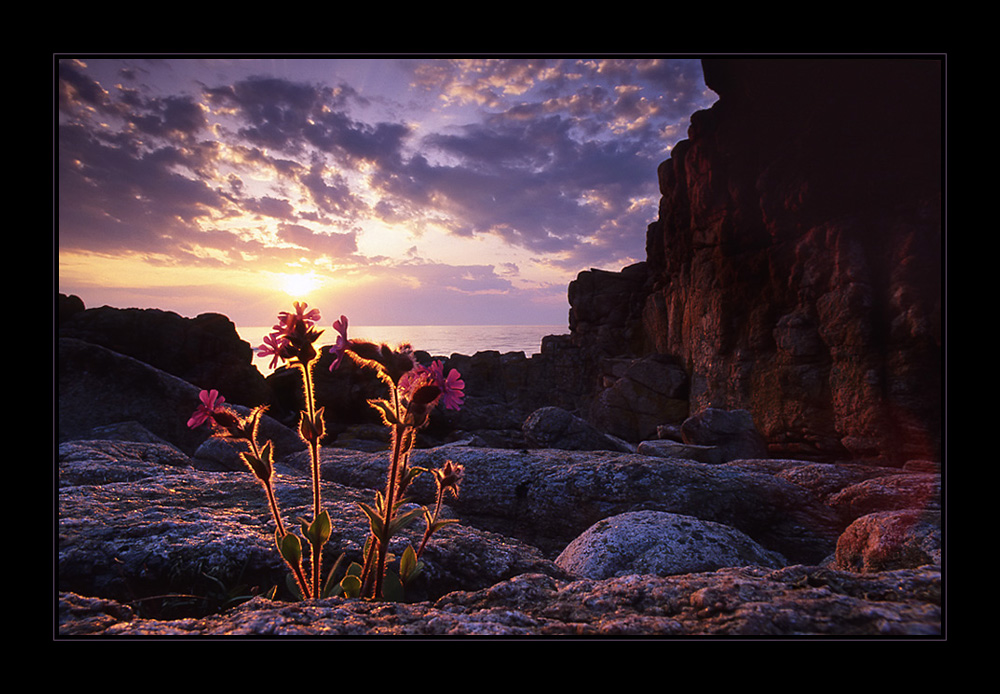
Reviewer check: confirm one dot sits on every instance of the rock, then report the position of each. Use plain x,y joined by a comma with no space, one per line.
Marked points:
674,449
137,521
795,267
648,393
554,427
124,431
158,526
205,351
103,462
887,493
889,540
99,388
606,309
732,432
547,497
663,544
749,601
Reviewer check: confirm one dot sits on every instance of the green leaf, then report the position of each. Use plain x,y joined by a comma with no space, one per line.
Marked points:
318,532
374,521
404,519
351,585
441,523
260,468
290,548
319,424
330,588
409,566
293,587
384,408
306,429
392,588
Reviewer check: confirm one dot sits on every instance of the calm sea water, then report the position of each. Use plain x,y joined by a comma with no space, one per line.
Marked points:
438,340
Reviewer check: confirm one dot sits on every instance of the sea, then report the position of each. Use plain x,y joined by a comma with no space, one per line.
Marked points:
437,340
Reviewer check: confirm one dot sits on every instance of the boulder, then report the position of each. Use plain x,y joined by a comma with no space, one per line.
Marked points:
791,602
99,388
606,309
888,540
148,544
151,524
731,432
643,395
205,351
548,497
663,544
675,449
554,427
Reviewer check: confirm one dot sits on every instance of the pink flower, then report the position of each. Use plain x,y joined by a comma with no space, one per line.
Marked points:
211,403
415,378
273,344
340,346
452,386
287,322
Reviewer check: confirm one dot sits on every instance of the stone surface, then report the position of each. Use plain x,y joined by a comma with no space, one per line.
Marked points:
554,427
676,449
205,351
888,540
796,263
662,544
794,601
641,395
731,432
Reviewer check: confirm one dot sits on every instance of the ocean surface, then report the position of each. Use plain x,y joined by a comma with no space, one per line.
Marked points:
438,340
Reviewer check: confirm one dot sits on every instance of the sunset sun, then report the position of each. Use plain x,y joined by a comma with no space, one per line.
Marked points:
299,285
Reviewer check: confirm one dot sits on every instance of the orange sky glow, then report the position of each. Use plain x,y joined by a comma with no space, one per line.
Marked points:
398,191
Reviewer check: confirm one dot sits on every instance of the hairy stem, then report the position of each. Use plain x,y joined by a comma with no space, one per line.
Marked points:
307,387
433,520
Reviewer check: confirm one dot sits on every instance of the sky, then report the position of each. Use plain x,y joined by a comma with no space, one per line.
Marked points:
397,190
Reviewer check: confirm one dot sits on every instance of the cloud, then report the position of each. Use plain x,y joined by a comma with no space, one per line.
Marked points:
187,162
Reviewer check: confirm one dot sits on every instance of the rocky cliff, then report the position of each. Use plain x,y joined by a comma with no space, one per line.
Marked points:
795,269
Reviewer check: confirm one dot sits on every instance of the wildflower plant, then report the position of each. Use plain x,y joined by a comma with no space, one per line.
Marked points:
413,392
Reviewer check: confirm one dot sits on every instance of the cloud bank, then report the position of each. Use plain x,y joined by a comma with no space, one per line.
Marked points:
441,186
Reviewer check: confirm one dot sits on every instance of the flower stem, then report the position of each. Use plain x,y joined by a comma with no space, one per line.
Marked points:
310,413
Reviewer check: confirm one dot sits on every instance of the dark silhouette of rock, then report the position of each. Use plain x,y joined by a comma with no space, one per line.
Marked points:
640,396
795,267
554,427
205,351
731,432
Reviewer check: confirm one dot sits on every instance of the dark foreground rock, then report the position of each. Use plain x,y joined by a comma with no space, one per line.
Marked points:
751,601
151,544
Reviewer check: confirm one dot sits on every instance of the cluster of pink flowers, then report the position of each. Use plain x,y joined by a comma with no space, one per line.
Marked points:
292,335
451,386
415,390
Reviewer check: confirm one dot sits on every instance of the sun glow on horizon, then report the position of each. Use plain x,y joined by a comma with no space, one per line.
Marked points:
300,285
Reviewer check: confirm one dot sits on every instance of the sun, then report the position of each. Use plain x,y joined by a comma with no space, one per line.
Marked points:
299,286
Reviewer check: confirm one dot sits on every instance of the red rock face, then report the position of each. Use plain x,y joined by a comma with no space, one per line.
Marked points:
797,262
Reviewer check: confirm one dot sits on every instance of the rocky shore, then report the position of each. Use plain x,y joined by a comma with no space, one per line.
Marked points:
742,435
570,532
